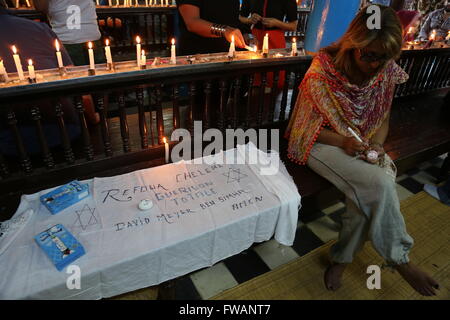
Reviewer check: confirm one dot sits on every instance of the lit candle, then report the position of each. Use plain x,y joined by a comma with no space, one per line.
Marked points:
265,49
28,3
431,40
166,145
448,36
138,50
143,60
110,3
108,53
91,57
18,63
31,73
173,56
3,73
146,3
137,3
294,47
98,2
58,55
17,4
410,34
232,48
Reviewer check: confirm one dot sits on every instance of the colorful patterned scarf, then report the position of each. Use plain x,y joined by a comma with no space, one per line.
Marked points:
327,98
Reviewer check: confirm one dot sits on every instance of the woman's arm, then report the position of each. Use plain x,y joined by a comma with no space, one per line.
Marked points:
195,24
351,146
275,23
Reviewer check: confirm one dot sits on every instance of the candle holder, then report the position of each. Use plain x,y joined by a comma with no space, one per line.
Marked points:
110,67
3,78
91,72
62,71
156,61
265,55
31,80
143,67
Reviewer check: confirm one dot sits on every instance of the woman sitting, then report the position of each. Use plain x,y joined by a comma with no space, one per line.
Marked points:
351,84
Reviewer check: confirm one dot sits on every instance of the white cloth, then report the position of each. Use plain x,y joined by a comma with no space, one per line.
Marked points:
74,22
202,213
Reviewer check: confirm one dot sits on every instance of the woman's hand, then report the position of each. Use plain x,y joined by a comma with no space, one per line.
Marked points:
353,147
254,19
374,147
238,38
270,22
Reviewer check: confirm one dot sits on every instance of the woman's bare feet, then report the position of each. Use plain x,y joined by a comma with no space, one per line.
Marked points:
333,276
417,279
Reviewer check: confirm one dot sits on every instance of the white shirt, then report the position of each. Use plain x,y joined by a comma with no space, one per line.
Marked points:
74,21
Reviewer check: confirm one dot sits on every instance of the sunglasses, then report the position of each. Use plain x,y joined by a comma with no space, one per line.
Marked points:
368,56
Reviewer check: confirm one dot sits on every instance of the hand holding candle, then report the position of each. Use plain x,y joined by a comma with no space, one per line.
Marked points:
18,63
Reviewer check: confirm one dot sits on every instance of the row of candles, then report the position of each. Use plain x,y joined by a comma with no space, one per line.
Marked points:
410,38
141,58
129,3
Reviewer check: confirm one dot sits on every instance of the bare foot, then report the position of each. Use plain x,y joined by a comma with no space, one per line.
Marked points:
333,276
417,279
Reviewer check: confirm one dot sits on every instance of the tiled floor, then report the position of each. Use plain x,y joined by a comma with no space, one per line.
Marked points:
313,230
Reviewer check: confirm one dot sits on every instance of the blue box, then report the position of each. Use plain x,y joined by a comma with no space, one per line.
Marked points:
65,196
60,246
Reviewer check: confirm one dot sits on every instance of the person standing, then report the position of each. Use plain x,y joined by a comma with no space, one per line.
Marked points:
207,26
75,23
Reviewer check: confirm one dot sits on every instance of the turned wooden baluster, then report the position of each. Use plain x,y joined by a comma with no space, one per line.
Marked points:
104,125
248,116
142,122
87,146
207,108
237,89
159,115
262,91
23,156
273,96
124,130
68,152
47,156
222,106
192,106
176,107
4,172
283,106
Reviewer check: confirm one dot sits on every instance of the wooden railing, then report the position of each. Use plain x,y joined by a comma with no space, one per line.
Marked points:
138,109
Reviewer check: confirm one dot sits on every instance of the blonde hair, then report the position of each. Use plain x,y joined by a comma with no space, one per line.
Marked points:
359,36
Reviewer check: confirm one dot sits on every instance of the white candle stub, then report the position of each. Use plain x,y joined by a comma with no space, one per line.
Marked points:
372,155
145,205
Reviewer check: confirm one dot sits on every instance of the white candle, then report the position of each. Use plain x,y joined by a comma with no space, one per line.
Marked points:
3,71
108,52
173,56
266,44
18,63
91,57
138,50
137,3
31,73
294,47
17,4
166,145
146,3
232,48
143,58
28,3
58,55
110,3
98,2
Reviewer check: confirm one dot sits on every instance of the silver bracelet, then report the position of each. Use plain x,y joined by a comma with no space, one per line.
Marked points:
218,30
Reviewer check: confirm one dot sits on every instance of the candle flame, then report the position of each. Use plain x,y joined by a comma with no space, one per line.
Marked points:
411,29
107,42
294,40
30,62
164,140
173,41
90,45
14,49
138,39
143,52
232,38
57,45
267,35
